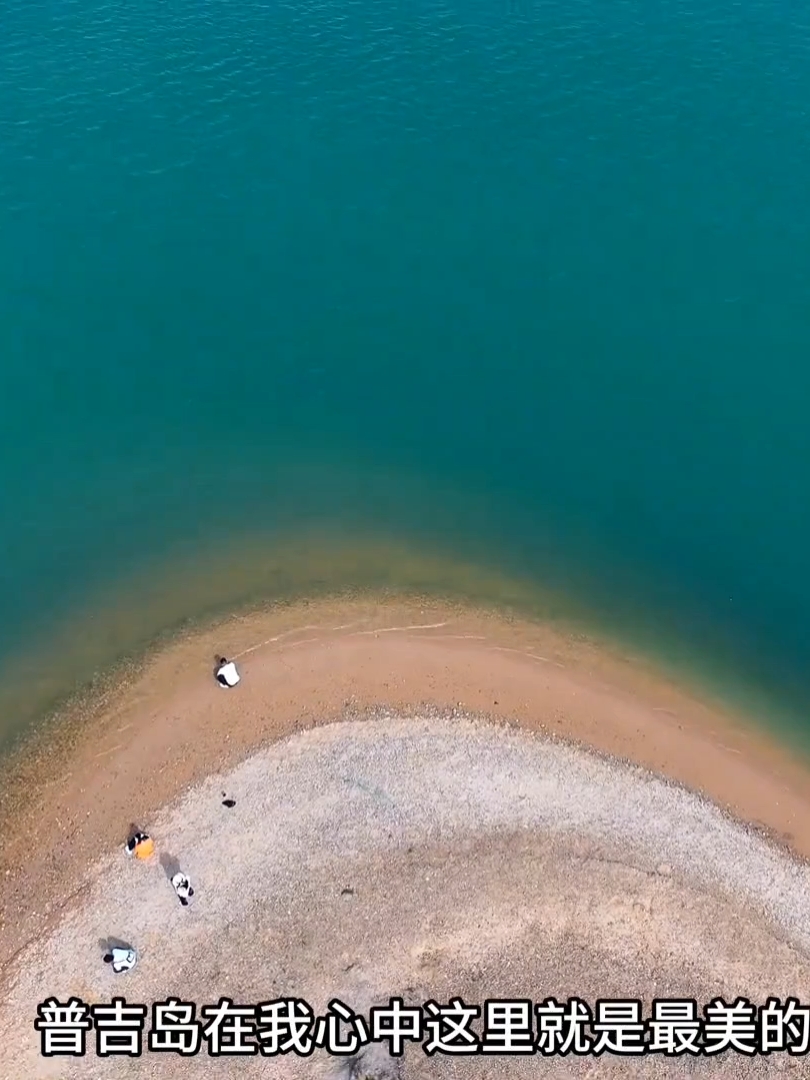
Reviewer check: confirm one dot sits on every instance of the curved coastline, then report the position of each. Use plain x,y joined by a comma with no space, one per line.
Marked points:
78,667
311,662
168,732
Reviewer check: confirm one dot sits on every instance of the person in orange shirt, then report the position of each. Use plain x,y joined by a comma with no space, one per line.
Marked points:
140,845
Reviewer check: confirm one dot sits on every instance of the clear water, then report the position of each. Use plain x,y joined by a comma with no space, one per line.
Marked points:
532,279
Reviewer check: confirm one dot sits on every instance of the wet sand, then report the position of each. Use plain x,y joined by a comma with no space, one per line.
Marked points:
170,729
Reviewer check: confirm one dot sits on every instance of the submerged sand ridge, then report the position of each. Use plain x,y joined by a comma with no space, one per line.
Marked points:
412,846
430,857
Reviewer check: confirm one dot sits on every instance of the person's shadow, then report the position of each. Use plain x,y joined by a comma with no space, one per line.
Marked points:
107,944
134,829
170,865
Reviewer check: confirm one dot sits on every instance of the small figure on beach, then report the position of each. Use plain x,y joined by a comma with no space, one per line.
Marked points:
140,845
122,959
226,673
182,886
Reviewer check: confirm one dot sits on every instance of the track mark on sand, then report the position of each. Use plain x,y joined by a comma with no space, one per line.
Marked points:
369,789
295,630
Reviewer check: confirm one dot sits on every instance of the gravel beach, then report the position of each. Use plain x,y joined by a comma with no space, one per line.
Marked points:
430,857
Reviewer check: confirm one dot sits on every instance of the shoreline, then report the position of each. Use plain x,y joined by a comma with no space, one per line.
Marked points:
85,659
168,726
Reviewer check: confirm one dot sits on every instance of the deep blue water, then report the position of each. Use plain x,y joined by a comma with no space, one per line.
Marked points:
553,258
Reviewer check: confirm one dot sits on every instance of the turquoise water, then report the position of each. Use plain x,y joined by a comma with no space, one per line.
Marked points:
551,258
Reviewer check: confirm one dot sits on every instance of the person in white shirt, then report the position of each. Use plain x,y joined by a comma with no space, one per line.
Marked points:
122,959
226,673
182,886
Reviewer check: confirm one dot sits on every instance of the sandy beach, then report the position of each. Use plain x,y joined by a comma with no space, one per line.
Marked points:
430,800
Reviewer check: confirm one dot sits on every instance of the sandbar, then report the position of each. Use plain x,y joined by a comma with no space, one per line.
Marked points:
423,791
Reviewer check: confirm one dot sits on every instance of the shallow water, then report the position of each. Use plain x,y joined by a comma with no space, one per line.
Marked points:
529,282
